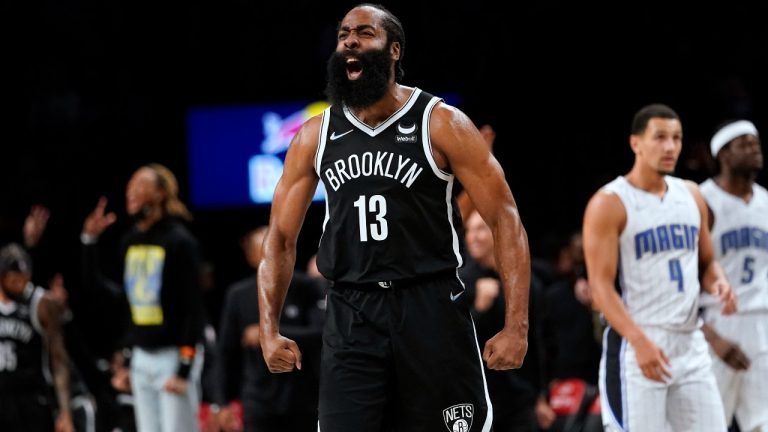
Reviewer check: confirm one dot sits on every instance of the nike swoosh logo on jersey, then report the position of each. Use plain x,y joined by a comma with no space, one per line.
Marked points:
455,296
334,137
406,131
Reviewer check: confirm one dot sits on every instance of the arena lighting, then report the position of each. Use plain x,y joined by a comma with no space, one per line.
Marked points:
236,153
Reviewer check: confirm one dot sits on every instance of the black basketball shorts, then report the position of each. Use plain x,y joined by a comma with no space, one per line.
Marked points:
26,412
401,358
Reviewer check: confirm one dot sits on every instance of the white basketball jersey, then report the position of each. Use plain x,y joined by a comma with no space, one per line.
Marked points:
740,241
659,254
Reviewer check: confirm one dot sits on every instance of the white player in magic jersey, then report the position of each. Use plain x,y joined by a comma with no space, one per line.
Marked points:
739,208
648,229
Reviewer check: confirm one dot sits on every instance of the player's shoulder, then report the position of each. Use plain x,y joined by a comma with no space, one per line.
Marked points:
606,197
613,190
307,138
760,190
449,115
443,114
606,200
688,183
691,185
450,128
760,196
707,184
310,130
47,307
605,211
709,188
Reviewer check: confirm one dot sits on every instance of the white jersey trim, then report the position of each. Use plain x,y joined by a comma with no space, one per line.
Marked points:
88,409
427,142
7,308
454,234
327,216
324,122
427,146
373,131
34,302
489,414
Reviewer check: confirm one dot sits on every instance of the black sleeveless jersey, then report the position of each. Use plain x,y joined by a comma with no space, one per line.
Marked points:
21,345
390,211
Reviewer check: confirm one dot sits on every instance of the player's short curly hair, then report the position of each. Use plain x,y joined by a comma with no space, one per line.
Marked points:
395,33
13,258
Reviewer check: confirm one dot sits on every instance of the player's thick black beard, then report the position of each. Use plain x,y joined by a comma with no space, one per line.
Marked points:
746,171
366,90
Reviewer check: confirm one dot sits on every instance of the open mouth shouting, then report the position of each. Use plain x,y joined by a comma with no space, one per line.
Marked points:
354,68
358,78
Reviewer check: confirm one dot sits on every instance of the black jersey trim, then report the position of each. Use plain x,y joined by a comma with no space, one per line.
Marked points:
373,131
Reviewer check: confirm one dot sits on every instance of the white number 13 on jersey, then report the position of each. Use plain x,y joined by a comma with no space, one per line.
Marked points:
377,205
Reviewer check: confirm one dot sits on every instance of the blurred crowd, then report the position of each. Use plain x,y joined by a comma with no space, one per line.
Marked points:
153,349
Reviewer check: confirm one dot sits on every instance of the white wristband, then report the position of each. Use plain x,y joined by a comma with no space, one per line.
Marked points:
88,239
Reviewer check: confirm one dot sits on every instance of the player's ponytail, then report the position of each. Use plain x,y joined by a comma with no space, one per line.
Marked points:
167,181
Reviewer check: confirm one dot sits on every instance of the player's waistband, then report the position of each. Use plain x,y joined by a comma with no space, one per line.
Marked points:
396,284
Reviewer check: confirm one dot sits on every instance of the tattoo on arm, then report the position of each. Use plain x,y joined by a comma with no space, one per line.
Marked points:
51,317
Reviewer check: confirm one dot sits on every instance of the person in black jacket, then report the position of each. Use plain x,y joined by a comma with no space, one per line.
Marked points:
271,402
31,343
517,395
161,262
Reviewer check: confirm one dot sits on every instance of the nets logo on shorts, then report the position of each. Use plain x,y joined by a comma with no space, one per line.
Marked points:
458,418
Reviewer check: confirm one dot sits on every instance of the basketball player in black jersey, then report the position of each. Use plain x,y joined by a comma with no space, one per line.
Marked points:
30,326
399,353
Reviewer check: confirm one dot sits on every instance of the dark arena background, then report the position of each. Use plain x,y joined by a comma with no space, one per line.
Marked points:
94,89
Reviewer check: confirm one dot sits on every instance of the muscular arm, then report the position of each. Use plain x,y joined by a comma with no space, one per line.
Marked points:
604,220
466,207
50,314
457,143
713,278
289,206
